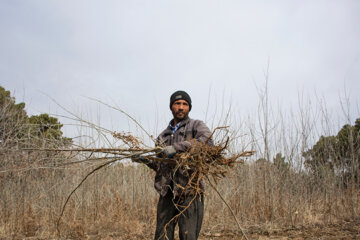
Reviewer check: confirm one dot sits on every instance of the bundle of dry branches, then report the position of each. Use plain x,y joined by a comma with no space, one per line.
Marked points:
211,161
201,161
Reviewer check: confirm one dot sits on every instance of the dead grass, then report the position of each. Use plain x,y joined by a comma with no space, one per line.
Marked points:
121,200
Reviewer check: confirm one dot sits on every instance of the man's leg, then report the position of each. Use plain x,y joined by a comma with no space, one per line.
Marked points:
190,222
165,212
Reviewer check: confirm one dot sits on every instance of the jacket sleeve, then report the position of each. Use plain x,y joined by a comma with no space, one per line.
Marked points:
153,164
200,132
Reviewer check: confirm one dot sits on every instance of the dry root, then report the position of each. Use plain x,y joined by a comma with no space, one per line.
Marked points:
211,161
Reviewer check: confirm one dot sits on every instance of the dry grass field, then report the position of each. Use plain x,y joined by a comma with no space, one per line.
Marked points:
119,202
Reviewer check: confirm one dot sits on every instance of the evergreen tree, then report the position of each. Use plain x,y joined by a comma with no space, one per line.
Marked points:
16,127
338,155
12,117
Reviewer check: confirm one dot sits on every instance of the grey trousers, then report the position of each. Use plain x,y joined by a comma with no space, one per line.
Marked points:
189,222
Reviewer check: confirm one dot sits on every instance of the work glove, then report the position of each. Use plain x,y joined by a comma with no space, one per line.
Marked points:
168,151
139,159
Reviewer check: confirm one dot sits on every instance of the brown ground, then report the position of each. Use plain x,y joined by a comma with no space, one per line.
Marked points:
344,230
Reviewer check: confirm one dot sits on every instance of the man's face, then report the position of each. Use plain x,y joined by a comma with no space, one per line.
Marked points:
180,109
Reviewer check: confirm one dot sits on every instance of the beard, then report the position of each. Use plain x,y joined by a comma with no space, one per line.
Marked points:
180,115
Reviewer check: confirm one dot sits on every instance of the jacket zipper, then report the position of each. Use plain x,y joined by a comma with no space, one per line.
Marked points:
171,138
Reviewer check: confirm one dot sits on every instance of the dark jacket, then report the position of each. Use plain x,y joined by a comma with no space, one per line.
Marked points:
167,178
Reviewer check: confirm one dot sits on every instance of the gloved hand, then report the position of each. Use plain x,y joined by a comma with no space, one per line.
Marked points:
168,151
139,159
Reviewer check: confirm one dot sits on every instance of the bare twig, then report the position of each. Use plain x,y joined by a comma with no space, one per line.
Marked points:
126,114
232,212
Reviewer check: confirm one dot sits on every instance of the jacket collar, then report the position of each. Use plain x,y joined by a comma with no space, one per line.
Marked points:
182,123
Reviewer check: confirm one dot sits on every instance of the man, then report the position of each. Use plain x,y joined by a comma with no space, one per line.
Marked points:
177,203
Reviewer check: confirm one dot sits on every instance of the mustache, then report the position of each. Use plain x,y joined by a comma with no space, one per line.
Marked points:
180,111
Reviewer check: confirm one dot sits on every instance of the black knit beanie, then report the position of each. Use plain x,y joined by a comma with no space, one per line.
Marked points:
180,95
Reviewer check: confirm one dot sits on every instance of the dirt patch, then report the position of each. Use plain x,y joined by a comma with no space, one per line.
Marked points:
344,230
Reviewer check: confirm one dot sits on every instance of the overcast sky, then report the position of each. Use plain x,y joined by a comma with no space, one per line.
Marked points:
135,53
